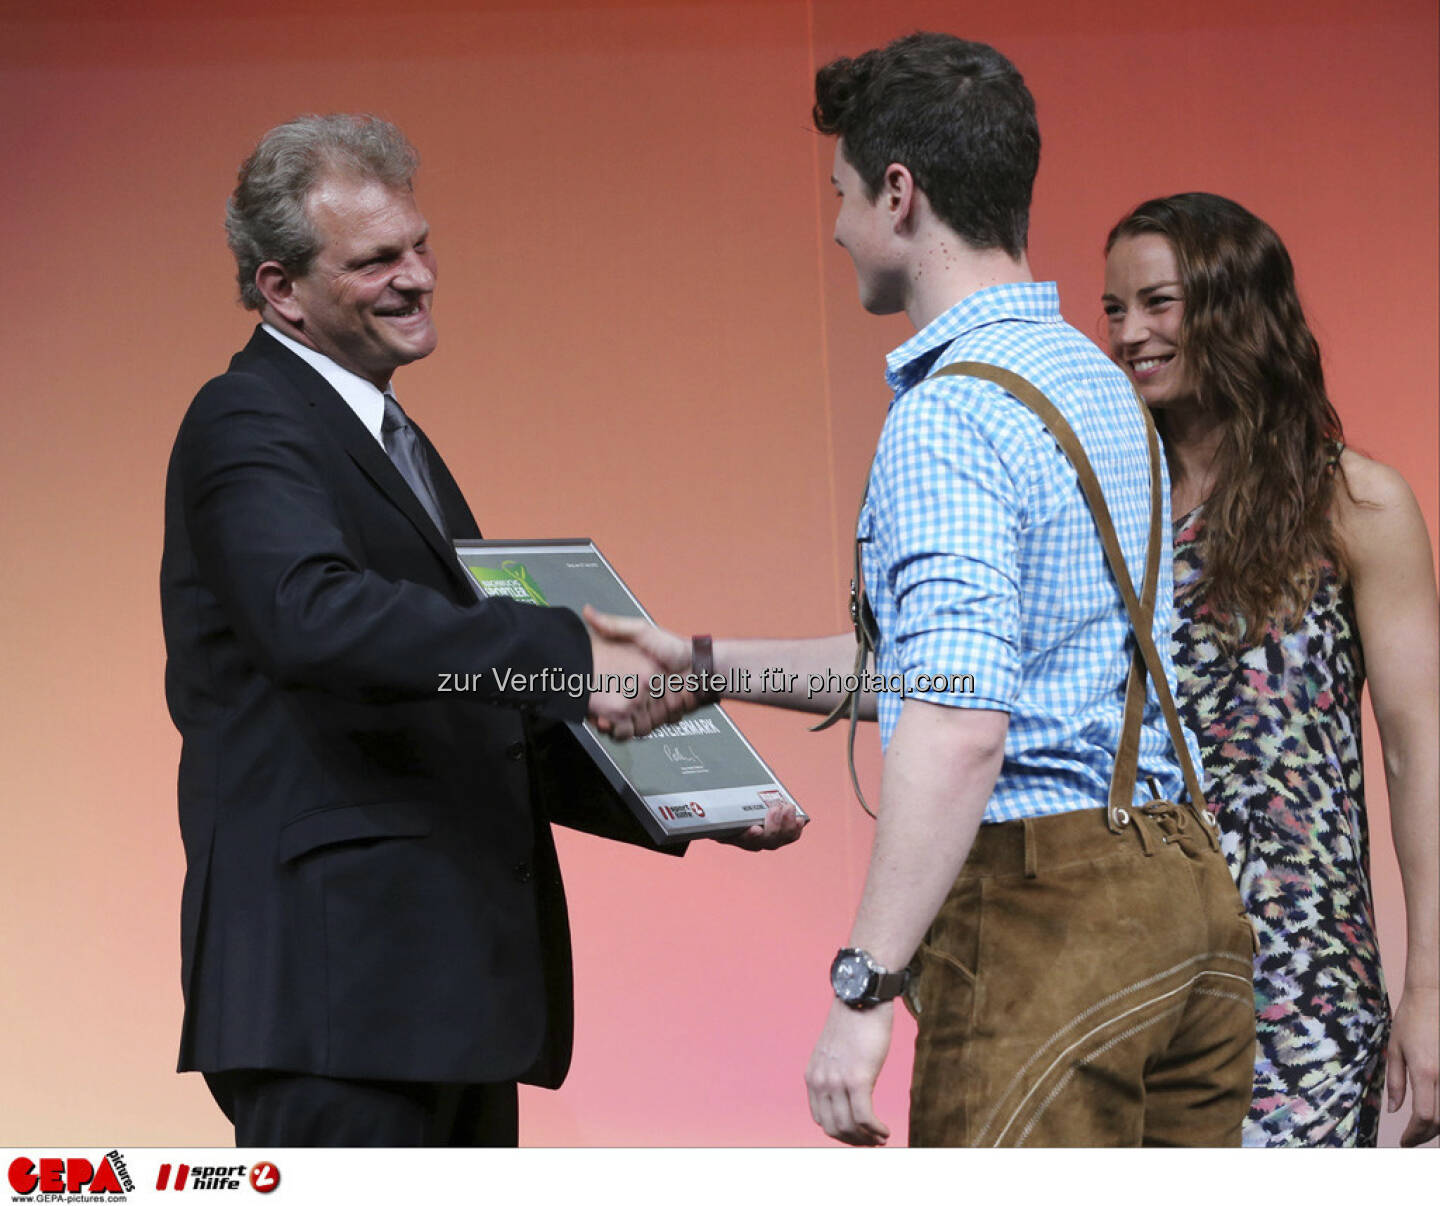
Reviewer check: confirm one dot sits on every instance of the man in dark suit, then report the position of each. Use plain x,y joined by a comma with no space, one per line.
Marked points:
373,931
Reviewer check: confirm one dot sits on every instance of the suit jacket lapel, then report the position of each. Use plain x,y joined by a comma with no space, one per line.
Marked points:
364,449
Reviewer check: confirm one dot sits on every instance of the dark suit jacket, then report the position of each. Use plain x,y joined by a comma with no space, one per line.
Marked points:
371,887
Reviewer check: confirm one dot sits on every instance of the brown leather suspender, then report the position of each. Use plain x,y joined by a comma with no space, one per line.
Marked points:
1145,657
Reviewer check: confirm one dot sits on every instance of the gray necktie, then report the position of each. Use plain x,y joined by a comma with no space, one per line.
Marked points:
402,445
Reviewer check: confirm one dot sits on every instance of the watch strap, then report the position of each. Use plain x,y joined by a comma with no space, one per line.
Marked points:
887,986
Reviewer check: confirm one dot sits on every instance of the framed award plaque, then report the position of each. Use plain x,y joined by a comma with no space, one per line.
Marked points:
697,777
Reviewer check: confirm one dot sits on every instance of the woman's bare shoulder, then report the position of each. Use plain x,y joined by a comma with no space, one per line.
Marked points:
1375,509
1370,482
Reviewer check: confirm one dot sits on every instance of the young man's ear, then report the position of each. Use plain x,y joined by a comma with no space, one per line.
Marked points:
277,287
897,193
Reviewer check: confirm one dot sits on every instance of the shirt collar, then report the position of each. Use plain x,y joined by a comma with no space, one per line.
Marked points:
1019,301
360,395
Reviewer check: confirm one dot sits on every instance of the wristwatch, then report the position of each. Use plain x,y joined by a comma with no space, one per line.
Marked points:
860,982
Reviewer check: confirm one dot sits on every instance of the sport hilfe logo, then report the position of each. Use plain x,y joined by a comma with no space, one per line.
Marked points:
263,1176
681,812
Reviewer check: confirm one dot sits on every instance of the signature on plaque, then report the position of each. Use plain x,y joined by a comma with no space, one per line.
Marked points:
684,759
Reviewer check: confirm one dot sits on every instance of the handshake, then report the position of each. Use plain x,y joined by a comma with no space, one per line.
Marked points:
631,651
628,652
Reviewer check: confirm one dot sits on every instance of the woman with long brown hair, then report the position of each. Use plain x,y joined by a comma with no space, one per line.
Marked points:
1301,569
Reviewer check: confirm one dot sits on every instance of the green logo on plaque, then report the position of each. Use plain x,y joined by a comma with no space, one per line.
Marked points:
509,580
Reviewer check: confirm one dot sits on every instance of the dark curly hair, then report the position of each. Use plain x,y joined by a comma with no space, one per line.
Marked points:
956,114
1256,366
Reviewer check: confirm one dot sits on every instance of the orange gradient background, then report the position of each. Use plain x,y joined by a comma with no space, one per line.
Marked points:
647,338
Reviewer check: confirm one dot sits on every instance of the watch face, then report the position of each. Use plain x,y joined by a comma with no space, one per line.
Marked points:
849,976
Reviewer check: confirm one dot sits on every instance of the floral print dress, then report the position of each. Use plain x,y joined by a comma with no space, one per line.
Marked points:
1278,722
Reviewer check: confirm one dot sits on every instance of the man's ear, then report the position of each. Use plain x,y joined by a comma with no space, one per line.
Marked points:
277,287
897,194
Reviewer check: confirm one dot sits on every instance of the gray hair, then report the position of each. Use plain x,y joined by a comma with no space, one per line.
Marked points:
265,216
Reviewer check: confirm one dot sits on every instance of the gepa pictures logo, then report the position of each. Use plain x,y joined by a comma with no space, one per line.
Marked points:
70,1179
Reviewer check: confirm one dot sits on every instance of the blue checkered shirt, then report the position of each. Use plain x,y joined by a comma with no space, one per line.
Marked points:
981,558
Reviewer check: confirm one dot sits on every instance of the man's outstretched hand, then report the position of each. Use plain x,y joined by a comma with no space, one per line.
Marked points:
638,653
671,655
631,707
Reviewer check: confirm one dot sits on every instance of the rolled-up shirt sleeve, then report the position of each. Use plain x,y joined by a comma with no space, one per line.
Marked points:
944,514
